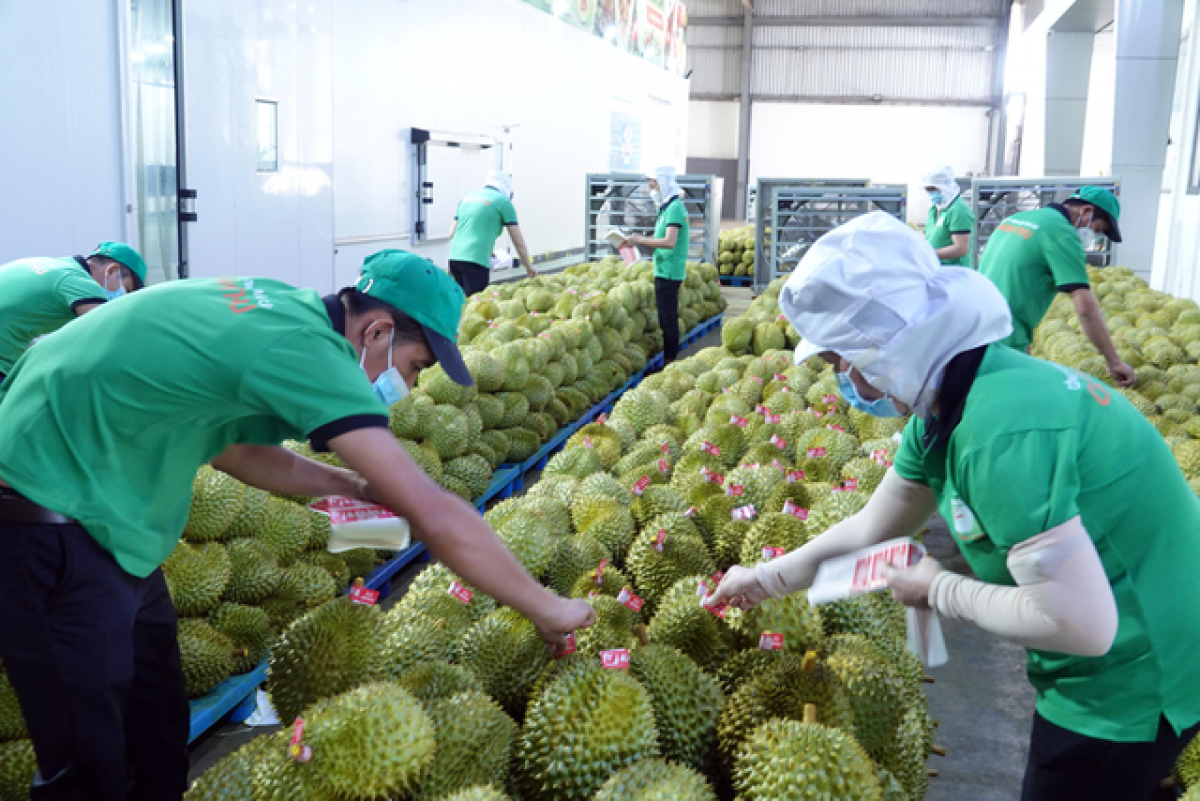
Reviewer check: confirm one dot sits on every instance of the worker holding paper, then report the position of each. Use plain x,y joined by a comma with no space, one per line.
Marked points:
1075,517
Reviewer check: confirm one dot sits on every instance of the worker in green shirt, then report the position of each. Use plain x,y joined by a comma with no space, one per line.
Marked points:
949,224
1080,527
42,294
481,218
1033,255
102,429
672,234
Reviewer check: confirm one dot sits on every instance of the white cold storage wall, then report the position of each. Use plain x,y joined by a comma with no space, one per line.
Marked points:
60,142
884,144
713,130
476,67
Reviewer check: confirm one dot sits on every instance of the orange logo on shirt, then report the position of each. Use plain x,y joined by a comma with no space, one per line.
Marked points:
1009,228
239,301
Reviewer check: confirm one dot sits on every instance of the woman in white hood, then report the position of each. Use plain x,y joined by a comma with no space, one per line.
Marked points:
949,224
482,217
1069,507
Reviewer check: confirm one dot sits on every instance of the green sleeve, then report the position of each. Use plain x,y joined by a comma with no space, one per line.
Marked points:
910,461
76,287
959,219
508,212
676,214
1021,485
309,382
1065,257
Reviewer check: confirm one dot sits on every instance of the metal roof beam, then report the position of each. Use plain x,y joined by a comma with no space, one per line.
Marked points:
852,22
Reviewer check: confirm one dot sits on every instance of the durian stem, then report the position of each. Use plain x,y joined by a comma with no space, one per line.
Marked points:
940,750
810,712
933,774
643,635
810,662
937,724
1171,782
928,680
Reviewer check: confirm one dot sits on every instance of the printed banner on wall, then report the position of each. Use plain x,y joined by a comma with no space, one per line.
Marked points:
625,145
650,29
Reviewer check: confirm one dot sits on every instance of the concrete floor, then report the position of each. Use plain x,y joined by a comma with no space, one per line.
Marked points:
980,697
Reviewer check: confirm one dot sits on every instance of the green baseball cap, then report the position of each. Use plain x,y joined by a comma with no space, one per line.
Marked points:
126,256
1106,202
423,291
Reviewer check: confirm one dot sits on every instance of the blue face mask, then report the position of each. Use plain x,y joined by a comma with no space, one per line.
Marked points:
390,387
883,407
937,197
113,294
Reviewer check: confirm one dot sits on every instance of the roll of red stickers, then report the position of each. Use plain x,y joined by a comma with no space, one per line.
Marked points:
771,641
617,659
460,592
641,485
790,508
795,475
816,453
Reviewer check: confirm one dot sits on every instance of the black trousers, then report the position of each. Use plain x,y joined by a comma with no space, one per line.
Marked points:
666,296
1065,766
92,654
470,276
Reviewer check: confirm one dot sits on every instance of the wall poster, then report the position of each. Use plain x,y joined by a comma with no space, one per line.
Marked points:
650,29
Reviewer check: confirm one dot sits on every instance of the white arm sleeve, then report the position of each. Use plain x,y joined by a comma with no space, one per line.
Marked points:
1063,601
898,508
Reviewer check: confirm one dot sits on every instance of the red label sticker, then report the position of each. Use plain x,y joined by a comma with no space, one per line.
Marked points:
460,592
711,449
763,410
752,466
660,539
852,484
740,422
718,577
298,731
746,512
771,641
779,442
544,335
770,552
364,596
774,419
691,512
794,476
735,490
615,660
665,447
602,419
789,508
587,442
830,400
835,427
533,314
816,413
718,610
780,377
775,463
296,750
663,466
879,456
627,597
816,453
569,647
641,485
599,572
571,291
757,378
781,318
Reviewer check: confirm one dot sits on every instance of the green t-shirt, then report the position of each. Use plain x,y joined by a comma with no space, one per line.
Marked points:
939,225
482,217
672,263
1032,256
1038,445
39,296
108,420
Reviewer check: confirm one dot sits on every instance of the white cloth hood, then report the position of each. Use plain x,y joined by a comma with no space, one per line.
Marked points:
943,179
873,292
501,182
667,185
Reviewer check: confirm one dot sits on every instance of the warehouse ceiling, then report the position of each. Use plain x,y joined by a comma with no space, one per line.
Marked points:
1087,16
929,52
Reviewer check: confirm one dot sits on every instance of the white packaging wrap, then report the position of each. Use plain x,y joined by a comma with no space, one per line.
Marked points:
361,524
862,571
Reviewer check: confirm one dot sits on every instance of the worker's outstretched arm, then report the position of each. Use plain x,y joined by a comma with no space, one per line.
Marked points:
960,246
1091,320
518,240
278,470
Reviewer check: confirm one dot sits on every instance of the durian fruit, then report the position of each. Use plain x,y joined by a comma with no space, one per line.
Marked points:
792,616
573,557
197,577
657,500
506,653
873,688
610,581
249,629
409,638
361,562
788,760
1187,767
327,652
368,743
772,530
251,515
745,666
526,534
686,703
12,722
228,780
305,586
17,768
905,757
474,744
614,627
615,530
332,564
600,438
473,470
667,550
584,726
478,793
681,622
285,529
207,656
436,681
217,500
656,780
577,461
430,595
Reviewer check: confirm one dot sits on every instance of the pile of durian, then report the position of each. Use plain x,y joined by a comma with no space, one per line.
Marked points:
736,251
723,458
1156,334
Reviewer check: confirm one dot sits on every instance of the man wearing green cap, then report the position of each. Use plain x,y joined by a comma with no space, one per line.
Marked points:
102,429
42,294
1033,255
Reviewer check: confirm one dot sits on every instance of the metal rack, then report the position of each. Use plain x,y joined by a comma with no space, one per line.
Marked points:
622,200
793,213
994,199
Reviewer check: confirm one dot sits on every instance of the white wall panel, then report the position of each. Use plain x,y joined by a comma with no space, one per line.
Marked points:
712,130
885,144
60,132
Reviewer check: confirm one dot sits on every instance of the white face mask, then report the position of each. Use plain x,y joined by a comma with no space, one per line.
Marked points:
1087,237
390,387
656,196
113,294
